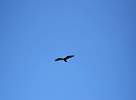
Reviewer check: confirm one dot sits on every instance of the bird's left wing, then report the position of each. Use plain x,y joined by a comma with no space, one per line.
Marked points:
58,59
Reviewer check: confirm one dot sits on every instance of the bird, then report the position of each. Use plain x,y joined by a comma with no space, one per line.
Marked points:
65,58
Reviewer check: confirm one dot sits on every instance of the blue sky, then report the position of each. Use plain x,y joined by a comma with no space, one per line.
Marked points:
100,33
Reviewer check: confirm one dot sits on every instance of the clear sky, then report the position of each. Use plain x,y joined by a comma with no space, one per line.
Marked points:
100,33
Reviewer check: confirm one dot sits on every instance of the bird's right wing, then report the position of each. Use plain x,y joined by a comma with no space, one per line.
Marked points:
58,59
69,56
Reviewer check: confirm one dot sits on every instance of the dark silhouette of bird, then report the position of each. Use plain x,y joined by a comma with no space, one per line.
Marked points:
65,58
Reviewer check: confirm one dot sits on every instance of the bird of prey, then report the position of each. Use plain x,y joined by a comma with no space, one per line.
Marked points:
65,58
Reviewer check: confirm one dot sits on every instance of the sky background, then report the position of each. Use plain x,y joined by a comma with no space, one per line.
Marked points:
100,33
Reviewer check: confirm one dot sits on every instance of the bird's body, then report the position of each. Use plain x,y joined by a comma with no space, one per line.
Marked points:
65,58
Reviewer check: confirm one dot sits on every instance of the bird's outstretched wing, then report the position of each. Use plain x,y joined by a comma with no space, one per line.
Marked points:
58,59
70,56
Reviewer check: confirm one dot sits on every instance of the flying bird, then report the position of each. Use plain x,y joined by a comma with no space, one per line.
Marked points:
65,58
